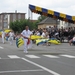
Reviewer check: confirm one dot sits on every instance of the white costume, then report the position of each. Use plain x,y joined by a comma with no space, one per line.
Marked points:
38,33
11,36
43,35
3,35
27,34
74,38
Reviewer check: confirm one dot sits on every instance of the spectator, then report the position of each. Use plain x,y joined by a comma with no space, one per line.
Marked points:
72,40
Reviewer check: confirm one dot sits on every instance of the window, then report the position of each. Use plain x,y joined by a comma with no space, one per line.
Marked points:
5,16
19,16
5,24
14,17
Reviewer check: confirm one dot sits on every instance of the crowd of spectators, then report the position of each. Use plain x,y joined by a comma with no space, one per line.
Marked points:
60,34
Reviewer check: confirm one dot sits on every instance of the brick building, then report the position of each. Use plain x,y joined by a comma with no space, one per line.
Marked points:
6,18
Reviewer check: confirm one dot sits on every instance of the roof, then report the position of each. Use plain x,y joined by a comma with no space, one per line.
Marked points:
33,20
51,13
12,13
48,20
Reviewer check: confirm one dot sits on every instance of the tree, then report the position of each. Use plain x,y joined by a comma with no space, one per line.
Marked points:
19,25
42,17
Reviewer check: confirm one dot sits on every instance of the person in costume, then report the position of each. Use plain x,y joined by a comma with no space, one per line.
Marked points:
3,36
26,37
11,37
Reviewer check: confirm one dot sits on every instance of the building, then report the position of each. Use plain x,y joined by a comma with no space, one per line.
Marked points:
54,22
6,18
65,24
48,22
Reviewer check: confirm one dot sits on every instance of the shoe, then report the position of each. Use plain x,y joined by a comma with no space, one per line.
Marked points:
25,51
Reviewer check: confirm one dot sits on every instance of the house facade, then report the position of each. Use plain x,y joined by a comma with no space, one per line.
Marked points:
54,22
47,22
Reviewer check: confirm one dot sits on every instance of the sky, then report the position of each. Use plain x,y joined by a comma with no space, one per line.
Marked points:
62,6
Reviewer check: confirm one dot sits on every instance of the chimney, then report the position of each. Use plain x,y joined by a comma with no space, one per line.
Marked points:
15,11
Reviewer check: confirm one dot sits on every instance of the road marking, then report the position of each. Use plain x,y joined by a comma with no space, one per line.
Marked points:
21,71
13,56
51,56
1,47
5,58
32,56
42,67
69,56
0,57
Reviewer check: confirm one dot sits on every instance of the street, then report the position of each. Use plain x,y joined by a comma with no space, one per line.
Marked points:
41,60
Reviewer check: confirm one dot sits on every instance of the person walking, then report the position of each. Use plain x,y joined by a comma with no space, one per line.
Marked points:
26,37
11,37
3,36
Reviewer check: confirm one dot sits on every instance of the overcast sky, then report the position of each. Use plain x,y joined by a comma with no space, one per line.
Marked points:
63,6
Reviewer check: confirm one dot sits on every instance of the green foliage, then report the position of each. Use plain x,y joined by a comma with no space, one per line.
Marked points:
42,17
19,25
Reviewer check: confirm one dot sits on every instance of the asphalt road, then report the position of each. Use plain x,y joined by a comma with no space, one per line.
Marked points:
41,60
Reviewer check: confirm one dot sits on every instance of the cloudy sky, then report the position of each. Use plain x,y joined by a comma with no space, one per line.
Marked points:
64,6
